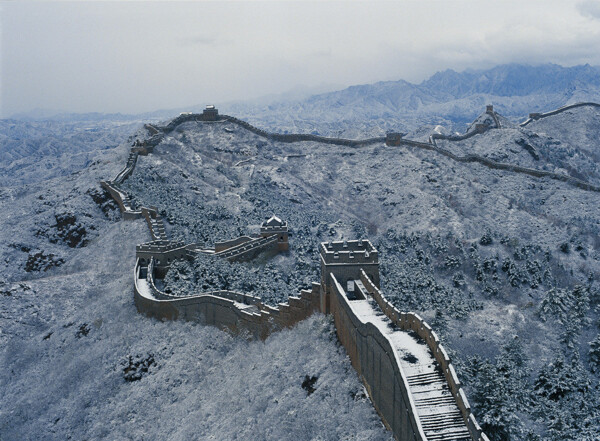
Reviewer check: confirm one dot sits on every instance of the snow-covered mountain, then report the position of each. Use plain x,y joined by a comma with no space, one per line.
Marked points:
504,265
448,97
38,150
77,361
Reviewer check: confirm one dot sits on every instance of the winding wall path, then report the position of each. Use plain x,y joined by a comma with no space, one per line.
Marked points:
557,111
230,310
419,398
431,145
504,166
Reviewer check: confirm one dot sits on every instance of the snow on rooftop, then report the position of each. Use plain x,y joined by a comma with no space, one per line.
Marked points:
274,220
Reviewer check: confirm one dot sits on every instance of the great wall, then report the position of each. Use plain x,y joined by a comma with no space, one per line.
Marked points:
538,116
397,355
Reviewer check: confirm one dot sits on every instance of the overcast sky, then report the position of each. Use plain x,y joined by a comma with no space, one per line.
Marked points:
137,56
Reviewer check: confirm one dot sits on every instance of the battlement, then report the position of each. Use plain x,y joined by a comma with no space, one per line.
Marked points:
163,252
343,261
350,252
159,246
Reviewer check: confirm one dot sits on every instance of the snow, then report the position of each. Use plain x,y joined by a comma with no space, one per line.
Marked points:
69,322
68,332
405,343
144,288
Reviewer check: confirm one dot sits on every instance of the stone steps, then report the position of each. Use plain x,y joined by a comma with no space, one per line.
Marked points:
439,415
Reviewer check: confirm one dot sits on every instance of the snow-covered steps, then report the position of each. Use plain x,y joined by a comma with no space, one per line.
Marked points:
439,415
436,407
128,170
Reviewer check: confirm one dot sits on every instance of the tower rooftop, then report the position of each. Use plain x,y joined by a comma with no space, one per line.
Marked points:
350,251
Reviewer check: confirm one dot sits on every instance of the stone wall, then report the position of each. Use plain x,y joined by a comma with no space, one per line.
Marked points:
376,362
162,253
236,312
294,137
345,260
536,116
299,137
412,322
249,249
227,244
502,166
129,167
122,201
155,223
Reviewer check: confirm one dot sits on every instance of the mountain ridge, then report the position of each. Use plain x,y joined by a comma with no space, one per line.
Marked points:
455,97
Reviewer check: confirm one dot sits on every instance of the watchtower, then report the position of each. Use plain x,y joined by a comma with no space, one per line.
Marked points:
276,226
393,138
210,113
489,109
345,259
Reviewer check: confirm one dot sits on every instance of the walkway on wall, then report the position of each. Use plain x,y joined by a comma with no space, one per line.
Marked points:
247,248
556,112
128,170
437,410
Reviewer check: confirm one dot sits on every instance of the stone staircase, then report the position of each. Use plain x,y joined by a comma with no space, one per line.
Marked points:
157,229
129,167
440,417
436,407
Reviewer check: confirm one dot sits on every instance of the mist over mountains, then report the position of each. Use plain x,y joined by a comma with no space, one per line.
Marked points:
449,98
513,80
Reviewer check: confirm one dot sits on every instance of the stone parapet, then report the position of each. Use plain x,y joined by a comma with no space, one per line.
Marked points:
237,312
376,361
412,322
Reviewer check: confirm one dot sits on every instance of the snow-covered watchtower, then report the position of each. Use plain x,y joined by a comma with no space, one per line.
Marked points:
345,259
393,138
276,226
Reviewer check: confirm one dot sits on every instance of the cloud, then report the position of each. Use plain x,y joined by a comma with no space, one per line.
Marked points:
589,9
204,40
326,53
101,56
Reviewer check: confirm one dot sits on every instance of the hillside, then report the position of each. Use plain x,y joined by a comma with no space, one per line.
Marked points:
460,243
504,265
79,362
